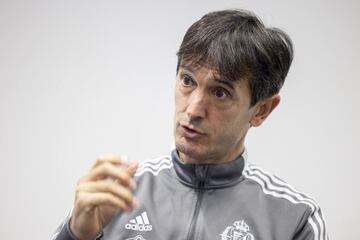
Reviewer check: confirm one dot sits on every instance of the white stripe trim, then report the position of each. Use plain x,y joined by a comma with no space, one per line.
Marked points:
301,196
272,192
271,189
155,167
283,186
314,227
280,195
154,172
154,162
281,183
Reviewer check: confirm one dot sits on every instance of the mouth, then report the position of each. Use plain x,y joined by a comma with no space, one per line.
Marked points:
189,131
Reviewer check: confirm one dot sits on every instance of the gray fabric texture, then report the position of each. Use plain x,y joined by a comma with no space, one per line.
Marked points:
235,200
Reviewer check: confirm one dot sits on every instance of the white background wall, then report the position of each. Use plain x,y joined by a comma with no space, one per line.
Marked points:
81,78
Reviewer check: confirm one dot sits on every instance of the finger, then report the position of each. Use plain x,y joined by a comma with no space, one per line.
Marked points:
132,167
107,186
94,199
107,170
110,158
118,160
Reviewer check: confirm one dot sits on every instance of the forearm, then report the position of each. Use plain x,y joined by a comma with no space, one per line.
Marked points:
64,233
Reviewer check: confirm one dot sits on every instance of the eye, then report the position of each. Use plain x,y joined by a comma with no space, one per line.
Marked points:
187,81
221,93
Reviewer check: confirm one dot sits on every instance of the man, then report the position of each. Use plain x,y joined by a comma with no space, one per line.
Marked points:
229,73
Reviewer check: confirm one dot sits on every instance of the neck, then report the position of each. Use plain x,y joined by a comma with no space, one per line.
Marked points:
212,159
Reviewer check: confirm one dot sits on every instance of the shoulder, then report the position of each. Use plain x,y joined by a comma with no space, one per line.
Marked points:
154,166
275,186
276,189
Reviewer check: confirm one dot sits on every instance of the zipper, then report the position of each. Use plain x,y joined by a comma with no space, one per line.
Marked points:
196,212
200,194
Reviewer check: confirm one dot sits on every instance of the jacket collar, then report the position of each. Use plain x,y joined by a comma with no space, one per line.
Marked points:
208,176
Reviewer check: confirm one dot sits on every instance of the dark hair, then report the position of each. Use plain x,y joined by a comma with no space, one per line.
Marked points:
239,47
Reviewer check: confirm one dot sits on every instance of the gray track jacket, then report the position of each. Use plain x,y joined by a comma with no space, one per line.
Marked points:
231,201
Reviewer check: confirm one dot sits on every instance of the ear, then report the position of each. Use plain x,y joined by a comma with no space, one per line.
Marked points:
263,110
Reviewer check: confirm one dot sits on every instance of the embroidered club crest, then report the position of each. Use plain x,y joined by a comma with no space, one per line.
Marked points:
138,237
238,231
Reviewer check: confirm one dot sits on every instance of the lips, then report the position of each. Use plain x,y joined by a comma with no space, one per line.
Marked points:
190,131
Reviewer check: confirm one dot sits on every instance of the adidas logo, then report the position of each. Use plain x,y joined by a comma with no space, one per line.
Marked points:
139,223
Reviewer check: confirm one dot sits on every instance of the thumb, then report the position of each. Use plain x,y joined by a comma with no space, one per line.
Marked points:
132,168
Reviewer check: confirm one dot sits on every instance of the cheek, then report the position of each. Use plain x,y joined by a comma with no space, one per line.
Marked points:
178,108
180,101
242,124
235,123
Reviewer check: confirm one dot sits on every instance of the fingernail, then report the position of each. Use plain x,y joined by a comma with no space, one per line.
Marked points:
133,163
132,184
135,203
129,209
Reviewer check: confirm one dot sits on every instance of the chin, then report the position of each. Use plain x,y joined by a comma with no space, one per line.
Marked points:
191,151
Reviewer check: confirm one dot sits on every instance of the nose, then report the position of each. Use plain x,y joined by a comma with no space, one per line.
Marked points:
197,105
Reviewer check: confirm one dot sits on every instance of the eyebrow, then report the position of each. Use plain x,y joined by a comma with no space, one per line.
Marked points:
186,67
227,83
190,69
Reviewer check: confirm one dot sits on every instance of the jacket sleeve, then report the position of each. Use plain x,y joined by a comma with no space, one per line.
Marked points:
63,232
313,226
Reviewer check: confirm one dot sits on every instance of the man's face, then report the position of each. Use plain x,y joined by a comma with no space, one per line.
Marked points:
211,115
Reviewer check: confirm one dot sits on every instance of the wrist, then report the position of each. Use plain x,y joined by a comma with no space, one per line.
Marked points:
75,235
